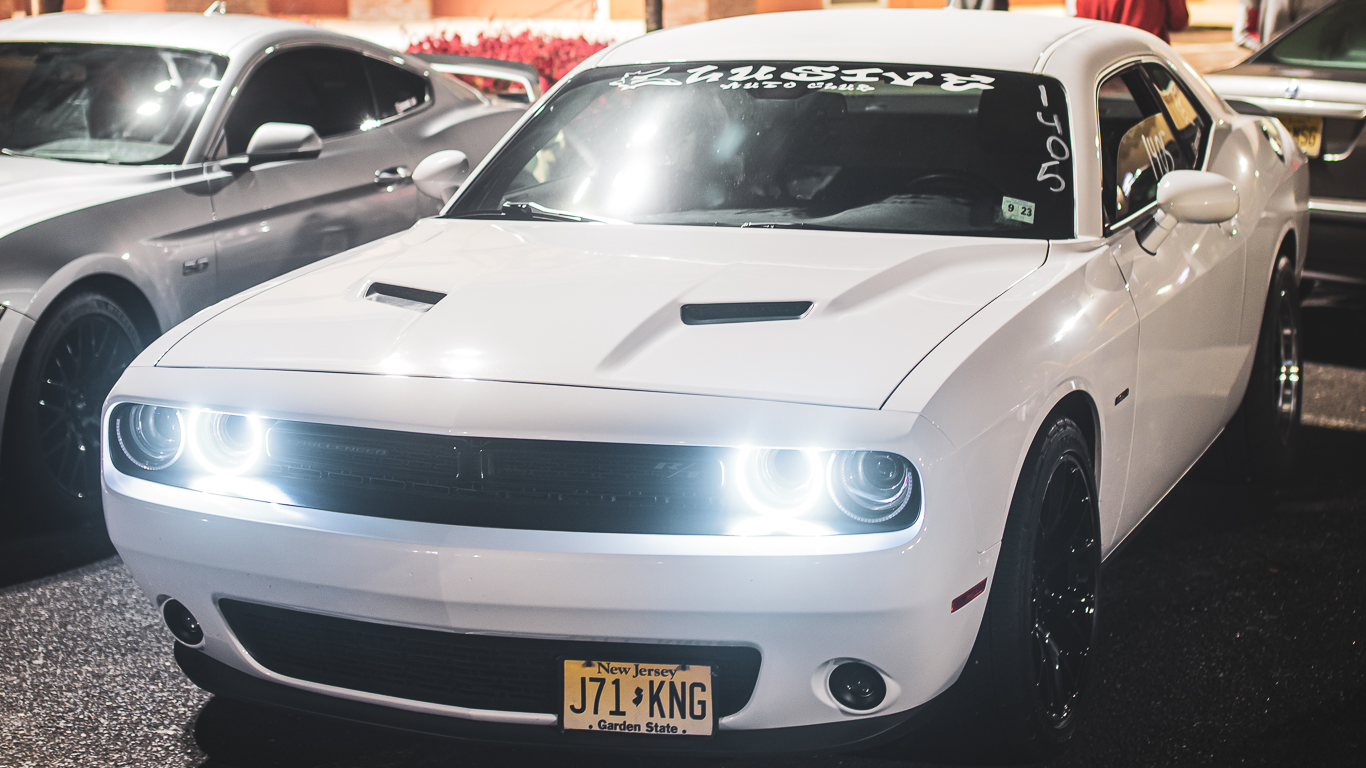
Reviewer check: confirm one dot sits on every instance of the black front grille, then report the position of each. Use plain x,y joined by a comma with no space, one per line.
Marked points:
538,484
510,674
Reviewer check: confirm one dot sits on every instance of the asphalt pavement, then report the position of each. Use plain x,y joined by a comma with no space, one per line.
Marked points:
1233,633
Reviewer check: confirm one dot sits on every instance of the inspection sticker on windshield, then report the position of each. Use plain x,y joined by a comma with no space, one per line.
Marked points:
1017,210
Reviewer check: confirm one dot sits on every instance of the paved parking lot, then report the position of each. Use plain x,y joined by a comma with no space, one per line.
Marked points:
1234,626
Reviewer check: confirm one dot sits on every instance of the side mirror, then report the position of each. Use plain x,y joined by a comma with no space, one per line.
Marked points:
441,173
1197,197
273,142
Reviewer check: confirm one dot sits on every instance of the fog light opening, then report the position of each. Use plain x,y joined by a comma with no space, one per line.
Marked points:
857,686
182,623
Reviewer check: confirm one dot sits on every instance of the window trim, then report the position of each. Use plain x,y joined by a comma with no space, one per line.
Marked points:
1137,61
218,131
426,76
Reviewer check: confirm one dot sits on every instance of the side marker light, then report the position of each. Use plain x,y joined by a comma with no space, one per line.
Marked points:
969,596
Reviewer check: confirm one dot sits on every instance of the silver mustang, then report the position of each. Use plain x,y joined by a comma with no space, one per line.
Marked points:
154,164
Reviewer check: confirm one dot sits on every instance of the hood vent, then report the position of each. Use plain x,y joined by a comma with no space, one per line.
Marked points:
749,312
415,299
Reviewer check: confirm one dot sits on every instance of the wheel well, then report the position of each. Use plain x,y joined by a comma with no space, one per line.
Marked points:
1288,246
127,296
1079,407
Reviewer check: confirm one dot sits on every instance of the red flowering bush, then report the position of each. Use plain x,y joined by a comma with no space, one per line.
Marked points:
552,57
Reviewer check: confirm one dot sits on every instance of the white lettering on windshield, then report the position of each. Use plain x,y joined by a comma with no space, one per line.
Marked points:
633,80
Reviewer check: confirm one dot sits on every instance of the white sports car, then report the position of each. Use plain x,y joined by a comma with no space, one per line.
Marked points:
768,373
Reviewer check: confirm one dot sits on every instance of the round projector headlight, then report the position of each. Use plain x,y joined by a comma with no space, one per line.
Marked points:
225,443
782,483
151,436
871,486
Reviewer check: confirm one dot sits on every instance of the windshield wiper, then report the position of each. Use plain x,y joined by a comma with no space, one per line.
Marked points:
527,212
789,225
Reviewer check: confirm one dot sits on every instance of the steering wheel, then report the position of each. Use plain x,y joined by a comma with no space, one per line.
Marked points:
958,184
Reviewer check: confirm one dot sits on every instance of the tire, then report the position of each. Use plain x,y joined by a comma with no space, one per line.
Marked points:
1270,412
1030,666
79,349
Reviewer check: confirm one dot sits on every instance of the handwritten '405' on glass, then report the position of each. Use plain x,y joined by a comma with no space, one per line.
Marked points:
628,697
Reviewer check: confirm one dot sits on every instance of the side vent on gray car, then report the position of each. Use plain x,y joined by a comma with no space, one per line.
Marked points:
415,299
748,312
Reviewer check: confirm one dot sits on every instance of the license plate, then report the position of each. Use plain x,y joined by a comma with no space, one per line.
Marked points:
628,697
1308,132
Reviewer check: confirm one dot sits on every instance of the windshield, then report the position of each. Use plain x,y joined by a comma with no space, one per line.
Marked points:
1334,38
102,103
859,147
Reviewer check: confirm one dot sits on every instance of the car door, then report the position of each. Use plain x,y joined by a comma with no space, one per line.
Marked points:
278,216
1189,294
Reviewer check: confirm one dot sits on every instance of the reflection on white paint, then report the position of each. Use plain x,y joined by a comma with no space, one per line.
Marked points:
241,487
1070,323
772,526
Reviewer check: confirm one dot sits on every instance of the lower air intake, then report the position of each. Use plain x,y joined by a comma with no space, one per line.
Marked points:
508,674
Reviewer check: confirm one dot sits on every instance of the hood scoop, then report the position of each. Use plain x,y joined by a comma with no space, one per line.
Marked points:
415,299
747,312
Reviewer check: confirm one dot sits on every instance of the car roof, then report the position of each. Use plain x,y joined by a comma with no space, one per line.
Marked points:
218,33
948,37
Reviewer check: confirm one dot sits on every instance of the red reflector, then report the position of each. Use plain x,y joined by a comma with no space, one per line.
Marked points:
967,597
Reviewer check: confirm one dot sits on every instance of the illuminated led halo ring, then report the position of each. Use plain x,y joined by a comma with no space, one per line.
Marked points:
198,432
140,443
863,506
748,462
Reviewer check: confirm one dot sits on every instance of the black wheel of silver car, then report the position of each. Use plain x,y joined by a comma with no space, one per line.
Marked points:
1271,407
79,349
1031,663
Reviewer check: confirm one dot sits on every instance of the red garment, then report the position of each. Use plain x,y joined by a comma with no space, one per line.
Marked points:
1156,16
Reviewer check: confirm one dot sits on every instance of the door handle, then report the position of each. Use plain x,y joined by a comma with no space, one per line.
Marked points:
392,175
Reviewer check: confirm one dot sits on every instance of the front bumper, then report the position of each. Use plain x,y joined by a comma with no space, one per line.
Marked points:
803,603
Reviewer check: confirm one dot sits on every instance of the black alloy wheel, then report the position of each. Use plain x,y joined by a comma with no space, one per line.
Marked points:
1275,392
52,447
1063,604
1019,695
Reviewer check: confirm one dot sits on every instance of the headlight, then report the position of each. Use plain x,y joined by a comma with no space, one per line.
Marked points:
151,436
780,483
225,443
870,486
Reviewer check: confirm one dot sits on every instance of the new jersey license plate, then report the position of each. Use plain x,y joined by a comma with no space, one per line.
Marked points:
1308,132
629,697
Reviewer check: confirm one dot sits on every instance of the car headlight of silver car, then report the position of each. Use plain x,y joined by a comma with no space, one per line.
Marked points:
512,483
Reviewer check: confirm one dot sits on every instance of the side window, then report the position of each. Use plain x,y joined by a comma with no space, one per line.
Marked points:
1138,145
322,87
396,90
1188,118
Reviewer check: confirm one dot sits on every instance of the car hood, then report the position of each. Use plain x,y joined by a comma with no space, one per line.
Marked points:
599,306
34,189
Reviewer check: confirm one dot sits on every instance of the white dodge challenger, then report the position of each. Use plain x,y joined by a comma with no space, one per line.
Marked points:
772,378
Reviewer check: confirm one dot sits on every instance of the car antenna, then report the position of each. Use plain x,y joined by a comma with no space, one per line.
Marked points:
218,8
